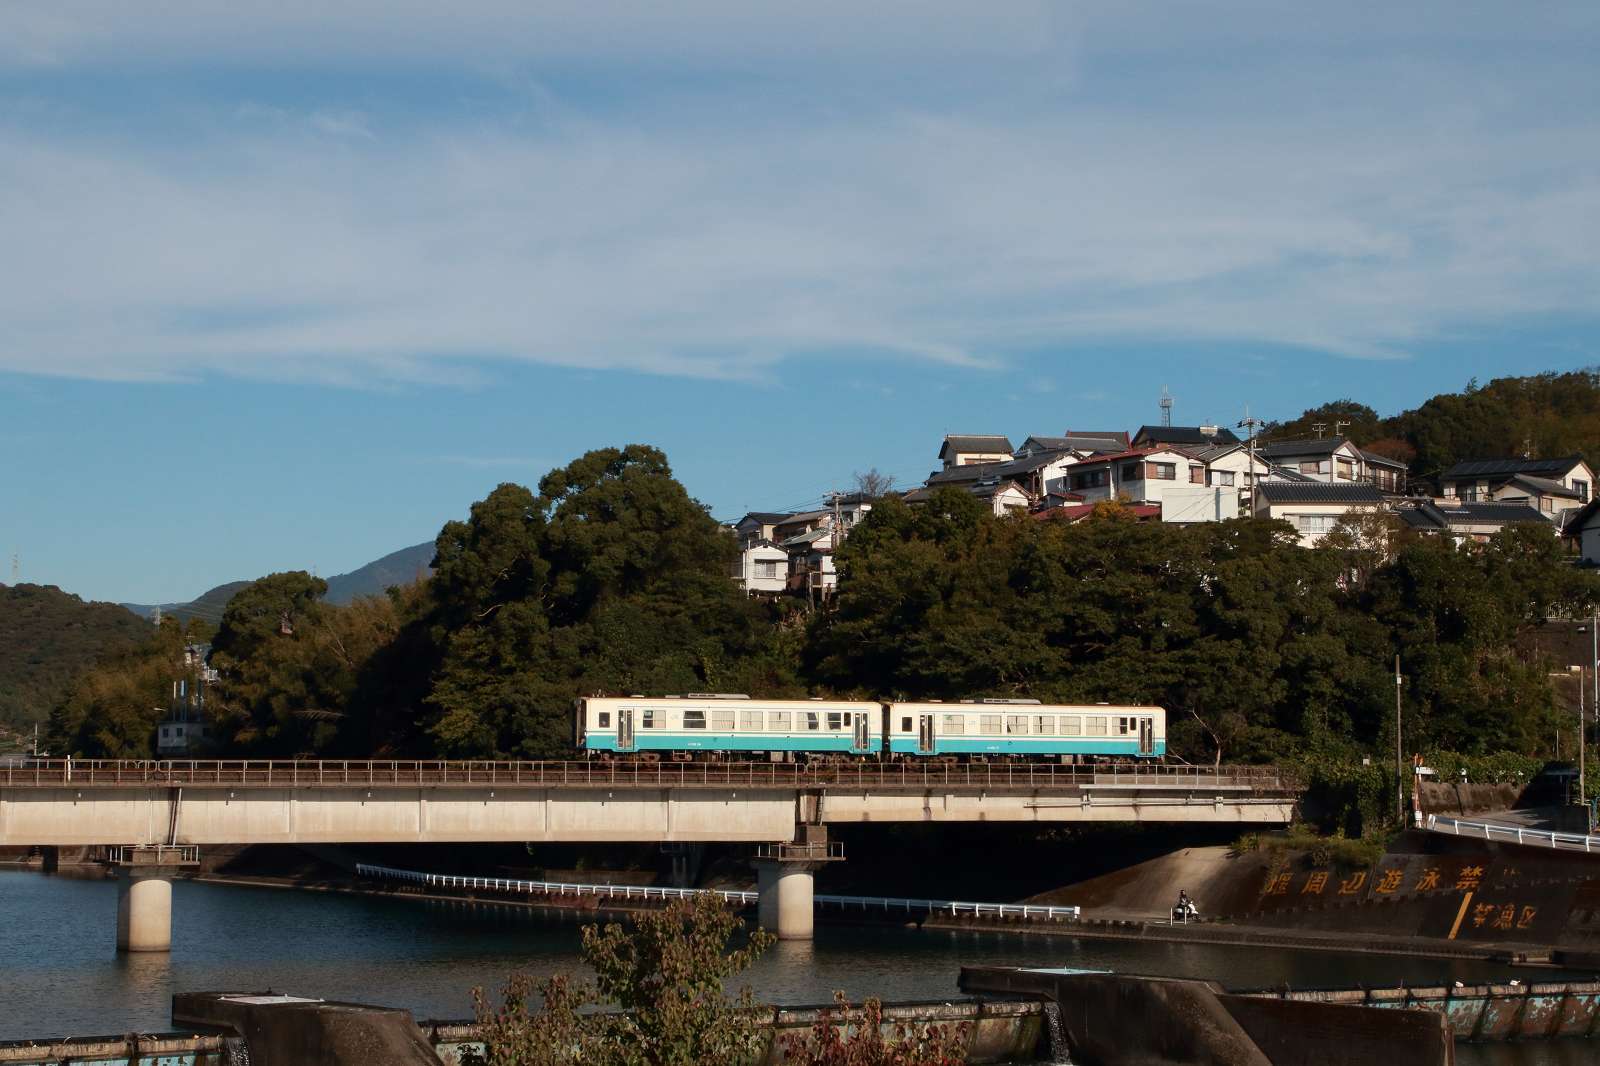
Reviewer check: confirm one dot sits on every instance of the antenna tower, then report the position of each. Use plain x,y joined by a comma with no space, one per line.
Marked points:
1166,406
1319,428
1251,426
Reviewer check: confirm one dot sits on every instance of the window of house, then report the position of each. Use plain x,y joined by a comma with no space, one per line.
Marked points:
750,721
1308,466
1071,725
722,720
1097,726
1017,724
1132,472
648,719
1222,478
1582,489
778,721
989,723
604,720
1164,471
1197,475
694,719
835,719
1044,724
1315,523
1347,470
767,568
811,721
1091,479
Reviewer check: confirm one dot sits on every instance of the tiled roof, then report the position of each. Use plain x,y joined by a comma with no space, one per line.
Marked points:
990,445
1431,515
1382,460
766,518
988,472
1582,517
1183,435
1305,446
1080,442
1490,468
1543,486
1318,492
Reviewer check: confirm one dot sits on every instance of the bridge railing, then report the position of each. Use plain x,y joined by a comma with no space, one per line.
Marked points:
612,774
1514,834
955,908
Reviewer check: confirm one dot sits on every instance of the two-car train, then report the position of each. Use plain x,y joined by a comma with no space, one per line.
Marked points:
730,726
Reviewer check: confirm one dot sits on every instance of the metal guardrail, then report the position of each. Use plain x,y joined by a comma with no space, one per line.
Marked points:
153,854
1514,834
827,851
647,892
91,773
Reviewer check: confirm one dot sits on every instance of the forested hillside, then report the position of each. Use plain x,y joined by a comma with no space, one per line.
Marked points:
46,638
1541,416
610,578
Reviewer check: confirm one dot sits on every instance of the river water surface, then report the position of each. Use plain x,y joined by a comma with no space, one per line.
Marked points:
61,974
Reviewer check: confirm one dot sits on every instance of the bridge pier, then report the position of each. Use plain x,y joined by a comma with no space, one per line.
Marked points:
144,911
785,878
144,893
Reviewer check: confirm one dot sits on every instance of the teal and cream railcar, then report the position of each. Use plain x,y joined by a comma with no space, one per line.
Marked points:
727,724
1026,728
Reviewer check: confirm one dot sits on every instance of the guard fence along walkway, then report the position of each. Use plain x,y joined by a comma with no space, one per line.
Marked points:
888,904
584,774
1513,834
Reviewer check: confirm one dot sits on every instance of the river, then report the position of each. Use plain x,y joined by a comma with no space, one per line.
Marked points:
62,976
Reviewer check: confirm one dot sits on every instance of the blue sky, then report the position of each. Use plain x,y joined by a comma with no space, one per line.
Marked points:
289,287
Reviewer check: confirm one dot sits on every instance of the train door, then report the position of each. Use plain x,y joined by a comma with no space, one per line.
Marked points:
625,729
860,739
1147,736
925,734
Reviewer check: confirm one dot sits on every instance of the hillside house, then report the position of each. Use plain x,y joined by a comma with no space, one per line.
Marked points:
1314,507
1583,531
759,527
1174,479
1463,521
1081,443
1550,498
958,450
1482,479
1039,474
762,568
1003,497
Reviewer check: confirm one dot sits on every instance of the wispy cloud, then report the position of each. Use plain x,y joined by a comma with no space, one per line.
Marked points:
718,233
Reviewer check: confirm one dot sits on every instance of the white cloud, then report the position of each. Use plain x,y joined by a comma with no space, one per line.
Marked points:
722,236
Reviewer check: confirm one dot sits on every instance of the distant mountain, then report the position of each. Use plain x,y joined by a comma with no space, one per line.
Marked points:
207,606
46,638
396,568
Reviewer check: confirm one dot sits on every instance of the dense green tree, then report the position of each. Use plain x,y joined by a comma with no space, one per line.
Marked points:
47,638
112,709
610,579
1363,423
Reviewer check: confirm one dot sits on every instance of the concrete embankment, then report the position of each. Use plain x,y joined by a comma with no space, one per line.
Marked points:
272,1029
1116,1019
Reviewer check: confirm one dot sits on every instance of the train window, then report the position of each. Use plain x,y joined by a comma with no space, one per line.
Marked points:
694,719
905,723
604,720
835,719
778,721
1071,725
811,720
1044,724
750,720
1017,724
955,724
722,721
1124,726
1097,727
989,723
648,720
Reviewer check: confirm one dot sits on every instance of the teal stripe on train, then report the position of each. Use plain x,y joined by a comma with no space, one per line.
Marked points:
945,745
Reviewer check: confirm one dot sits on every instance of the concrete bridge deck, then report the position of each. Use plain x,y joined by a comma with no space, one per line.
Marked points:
232,802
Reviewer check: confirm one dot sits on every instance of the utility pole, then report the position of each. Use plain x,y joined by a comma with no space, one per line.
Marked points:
1399,774
1250,425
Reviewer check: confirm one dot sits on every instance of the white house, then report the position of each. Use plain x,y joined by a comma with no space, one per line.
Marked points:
963,450
1550,498
1175,479
1314,507
1003,497
1583,529
1479,479
762,568
1039,473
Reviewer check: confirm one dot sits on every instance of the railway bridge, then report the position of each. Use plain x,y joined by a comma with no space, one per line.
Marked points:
783,808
